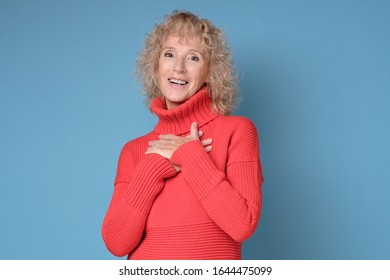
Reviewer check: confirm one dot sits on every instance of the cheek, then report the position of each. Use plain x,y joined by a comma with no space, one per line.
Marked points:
161,67
203,77
160,73
205,73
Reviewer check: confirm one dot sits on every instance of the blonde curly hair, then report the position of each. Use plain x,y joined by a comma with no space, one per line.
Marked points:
222,80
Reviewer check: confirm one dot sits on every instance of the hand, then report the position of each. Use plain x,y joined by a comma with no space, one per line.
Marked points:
168,143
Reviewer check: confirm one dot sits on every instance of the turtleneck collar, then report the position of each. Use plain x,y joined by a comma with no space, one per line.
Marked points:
178,120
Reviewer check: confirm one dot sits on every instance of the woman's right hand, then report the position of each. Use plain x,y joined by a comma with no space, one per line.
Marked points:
206,144
168,143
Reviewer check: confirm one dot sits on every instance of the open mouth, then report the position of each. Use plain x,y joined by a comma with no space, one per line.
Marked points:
177,82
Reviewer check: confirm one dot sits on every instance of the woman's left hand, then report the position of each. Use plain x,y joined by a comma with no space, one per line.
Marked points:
168,143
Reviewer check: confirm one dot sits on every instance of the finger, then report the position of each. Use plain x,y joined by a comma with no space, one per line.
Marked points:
153,150
194,131
208,148
167,136
162,152
149,150
207,141
159,143
200,132
177,168
150,143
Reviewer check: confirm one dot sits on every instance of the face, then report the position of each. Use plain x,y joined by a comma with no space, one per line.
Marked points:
182,69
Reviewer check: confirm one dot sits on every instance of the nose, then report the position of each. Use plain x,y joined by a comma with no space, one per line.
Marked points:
179,66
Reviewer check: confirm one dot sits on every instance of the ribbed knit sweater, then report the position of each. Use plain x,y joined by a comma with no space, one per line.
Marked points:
206,210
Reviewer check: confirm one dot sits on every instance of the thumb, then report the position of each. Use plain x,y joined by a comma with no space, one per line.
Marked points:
194,133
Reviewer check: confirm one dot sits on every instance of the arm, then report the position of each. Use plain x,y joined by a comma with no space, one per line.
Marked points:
135,188
231,199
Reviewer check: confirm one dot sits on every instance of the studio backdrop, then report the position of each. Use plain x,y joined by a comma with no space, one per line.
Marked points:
314,77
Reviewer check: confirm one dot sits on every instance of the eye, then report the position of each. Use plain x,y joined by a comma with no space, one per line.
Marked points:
194,58
168,54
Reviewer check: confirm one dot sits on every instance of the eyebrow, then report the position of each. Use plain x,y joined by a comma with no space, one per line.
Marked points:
190,50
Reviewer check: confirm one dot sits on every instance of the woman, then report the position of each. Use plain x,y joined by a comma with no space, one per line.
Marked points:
191,188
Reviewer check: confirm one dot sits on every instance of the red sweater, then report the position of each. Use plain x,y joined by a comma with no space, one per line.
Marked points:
204,211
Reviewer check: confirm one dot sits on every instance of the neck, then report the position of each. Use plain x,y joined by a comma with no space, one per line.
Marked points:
178,120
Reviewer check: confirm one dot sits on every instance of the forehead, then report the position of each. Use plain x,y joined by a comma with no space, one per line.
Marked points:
187,41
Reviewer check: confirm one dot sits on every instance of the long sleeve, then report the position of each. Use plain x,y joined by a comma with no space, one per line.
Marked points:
135,188
204,211
231,197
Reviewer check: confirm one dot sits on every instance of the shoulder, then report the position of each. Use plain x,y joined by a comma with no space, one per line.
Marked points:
239,124
138,141
136,146
243,139
235,120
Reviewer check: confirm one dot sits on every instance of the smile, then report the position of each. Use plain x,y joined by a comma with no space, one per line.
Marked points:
177,82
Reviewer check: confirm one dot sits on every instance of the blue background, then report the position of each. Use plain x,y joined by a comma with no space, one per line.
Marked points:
314,77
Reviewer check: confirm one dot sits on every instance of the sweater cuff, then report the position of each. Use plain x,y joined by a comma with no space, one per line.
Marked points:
198,168
148,180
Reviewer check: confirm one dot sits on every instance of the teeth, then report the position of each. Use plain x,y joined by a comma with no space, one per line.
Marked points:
180,82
